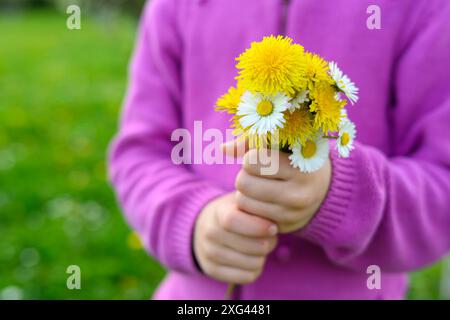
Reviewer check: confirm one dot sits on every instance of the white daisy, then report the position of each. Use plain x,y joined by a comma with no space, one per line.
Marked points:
343,82
296,103
312,156
261,113
347,133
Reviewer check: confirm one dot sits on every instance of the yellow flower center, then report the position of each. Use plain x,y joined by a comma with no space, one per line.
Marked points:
264,108
345,139
309,149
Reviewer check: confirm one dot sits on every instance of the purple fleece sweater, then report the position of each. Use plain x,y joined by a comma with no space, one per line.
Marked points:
388,204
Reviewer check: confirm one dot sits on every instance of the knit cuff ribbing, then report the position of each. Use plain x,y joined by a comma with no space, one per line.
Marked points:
323,227
179,254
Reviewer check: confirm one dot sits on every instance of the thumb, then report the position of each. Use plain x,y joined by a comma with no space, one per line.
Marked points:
236,148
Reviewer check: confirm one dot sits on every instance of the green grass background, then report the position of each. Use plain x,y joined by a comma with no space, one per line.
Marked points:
60,96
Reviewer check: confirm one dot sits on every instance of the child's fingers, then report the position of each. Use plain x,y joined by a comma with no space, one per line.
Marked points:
228,257
257,161
242,223
231,274
245,245
267,190
260,208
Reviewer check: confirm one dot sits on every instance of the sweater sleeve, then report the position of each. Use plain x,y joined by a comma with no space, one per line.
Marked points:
395,211
161,200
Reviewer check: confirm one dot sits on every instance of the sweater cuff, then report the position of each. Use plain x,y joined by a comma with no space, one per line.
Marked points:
179,253
324,226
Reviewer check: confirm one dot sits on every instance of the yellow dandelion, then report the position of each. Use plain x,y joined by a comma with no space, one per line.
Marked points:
316,70
230,100
326,108
272,65
298,128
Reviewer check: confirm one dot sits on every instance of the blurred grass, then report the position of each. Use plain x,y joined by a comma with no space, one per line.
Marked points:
60,93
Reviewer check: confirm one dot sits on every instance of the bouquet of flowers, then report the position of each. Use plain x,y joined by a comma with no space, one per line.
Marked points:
295,98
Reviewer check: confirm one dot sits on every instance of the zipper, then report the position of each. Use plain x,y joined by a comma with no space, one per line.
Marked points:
284,16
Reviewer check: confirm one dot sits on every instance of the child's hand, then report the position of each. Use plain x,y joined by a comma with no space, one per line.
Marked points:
290,198
231,245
